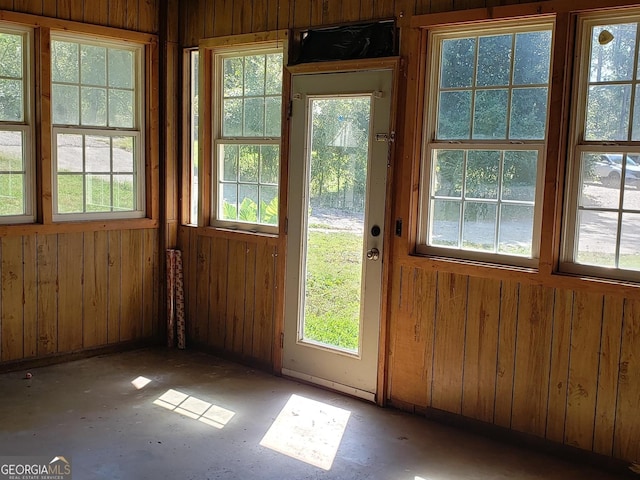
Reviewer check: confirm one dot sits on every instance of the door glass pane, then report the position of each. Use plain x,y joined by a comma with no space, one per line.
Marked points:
334,236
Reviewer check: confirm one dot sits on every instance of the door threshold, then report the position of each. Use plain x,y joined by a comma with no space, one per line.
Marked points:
354,392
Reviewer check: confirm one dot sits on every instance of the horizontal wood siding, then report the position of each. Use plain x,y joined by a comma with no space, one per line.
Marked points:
68,292
230,294
554,363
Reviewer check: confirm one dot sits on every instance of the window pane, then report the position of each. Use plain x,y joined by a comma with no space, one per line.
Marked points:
123,193
11,100
629,244
533,54
528,114
121,108
232,118
254,69
69,153
454,115
613,61
608,112
121,68
248,163
274,74
229,154
98,189
233,75
269,164
12,201
632,183
269,205
445,223
11,153
193,103
94,106
494,60
70,194
447,173
254,117
66,105
516,230
479,228
635,135
457,62
481,178
229,202
490,114
93,65
64,62
597,236
122,152
601,180
273,116
98,154
248,208
519,175
11,55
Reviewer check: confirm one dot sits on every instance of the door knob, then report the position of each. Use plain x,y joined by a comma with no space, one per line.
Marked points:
373,254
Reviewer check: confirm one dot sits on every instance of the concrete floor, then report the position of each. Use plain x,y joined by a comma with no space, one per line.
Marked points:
89,410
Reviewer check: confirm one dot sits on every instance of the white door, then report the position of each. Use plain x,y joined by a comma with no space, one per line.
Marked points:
337,183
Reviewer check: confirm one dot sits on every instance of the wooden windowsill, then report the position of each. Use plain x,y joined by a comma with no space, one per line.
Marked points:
74,227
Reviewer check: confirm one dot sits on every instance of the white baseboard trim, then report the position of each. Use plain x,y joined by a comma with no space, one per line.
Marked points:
371,397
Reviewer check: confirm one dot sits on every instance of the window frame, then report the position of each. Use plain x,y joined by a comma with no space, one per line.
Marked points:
429,142
25,126
137,131
217,138
577,145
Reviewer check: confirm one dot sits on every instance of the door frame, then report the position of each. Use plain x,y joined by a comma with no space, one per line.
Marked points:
344,66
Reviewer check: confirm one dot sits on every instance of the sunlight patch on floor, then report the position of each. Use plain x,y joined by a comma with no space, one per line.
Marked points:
308,430
140,382
196,408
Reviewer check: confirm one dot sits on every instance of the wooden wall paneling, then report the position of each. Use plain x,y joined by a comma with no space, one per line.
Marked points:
423,7
271,15
47,251
559,369
224,18
481,349
383,9
131,319
605,415
132,15
49,8
414,300
158,325
70,273
30,292
44,173
201,327
114,273
259,16
263,322
28,6
533,352
219,295
301,14
236,296
350,11
173,27
505,371
148,283
117,13
209,19
448,351
6,4
627,428
76,10
586,328
98,12
149,17
192,282
331,11
283,14
64,9
12,283
200,26
249,299
440,6
95,289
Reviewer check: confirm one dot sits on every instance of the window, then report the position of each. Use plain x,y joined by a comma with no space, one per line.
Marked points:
193,134
485,139
247,144
97,141
602,230
16,138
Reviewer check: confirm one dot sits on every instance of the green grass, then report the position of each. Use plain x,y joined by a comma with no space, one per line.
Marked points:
332,303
